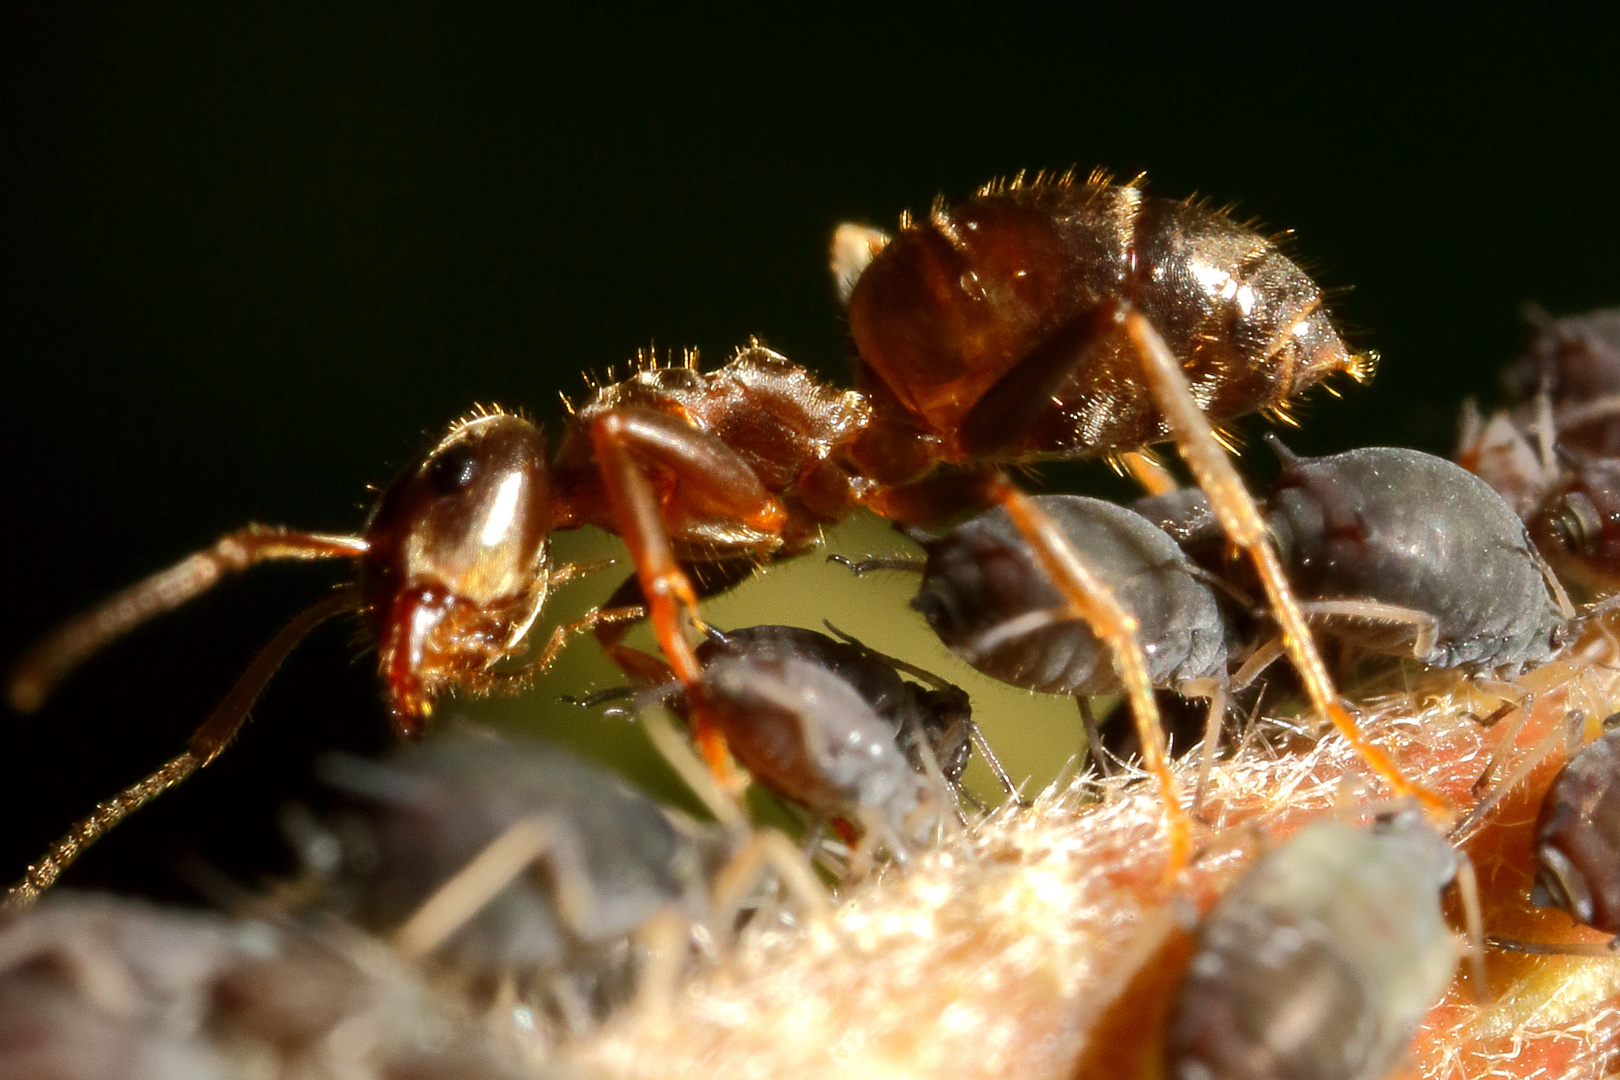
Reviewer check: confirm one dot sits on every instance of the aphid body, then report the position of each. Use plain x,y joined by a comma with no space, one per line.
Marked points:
939,716
812,737
1321,960
981,579
609,860
1578,838
1462,582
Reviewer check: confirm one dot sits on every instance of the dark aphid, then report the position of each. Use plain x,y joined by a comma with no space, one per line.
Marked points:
807,733
989,601
1027,322
1321,961
1574,362
92,988
1577,525
1552,452
1578,837
938,714
592,862
1404,553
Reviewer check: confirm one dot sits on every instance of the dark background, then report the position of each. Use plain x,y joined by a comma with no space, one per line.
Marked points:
253,261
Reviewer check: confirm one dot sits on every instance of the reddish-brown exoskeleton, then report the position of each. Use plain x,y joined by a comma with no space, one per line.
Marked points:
1050,320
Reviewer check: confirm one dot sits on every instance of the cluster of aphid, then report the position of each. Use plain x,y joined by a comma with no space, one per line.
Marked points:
1051,320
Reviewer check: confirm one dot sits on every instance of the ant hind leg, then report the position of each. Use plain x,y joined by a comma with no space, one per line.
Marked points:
1240,518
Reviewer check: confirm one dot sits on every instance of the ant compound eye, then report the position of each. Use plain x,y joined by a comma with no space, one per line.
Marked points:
455,469
1576,523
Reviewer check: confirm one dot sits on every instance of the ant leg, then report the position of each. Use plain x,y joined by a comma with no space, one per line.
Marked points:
713,480
1148,472
71,643
1241,519
1093,602
590,621
206,744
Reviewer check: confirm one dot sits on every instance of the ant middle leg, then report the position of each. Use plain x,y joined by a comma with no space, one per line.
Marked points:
1091,600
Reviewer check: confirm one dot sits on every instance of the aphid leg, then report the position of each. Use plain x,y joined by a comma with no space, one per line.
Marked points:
1262,658
764,850
1550,743
1474,921
1426,627
862,567
205,745
1214,692
982,745
1149,472
1094,743
1092,601
71,643
663,941
715,798
711,476
1515,699
1241,520
459,900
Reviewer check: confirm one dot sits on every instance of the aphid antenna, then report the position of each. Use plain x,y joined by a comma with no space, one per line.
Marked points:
862,567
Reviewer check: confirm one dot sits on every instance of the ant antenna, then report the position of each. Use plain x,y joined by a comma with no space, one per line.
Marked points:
73,642
206,743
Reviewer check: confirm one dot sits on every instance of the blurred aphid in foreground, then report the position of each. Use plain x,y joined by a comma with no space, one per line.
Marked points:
526,874
92,988
1320,962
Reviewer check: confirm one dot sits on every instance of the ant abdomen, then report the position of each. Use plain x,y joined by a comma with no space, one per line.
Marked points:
988,599
991,321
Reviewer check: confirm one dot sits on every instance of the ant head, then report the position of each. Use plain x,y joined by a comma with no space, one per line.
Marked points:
459,561
1577,528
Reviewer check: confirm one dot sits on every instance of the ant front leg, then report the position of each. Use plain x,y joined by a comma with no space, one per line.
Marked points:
1241,520
711,482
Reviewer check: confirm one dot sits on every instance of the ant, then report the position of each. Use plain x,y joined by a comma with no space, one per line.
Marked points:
1324,957
1055,319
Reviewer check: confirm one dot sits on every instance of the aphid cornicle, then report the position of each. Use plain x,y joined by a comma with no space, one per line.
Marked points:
1321,960
1028,322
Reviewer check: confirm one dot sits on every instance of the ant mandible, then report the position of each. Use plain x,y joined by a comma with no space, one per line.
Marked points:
1033,321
